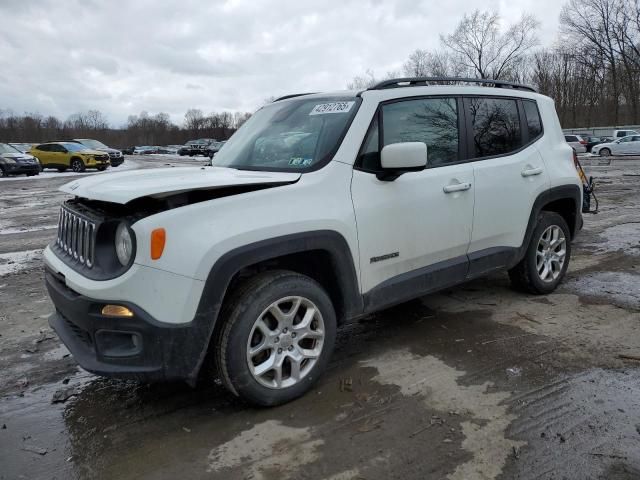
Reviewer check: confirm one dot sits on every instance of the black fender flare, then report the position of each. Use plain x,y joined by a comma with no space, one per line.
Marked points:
229,264
562,192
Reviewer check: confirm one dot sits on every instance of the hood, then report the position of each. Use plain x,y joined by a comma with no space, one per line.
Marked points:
107,149
17,156
90,151
126,186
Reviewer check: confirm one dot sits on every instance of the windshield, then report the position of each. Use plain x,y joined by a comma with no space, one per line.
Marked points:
6,148
92,143
290,136
74,147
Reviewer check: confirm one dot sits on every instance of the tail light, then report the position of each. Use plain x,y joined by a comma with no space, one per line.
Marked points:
583,142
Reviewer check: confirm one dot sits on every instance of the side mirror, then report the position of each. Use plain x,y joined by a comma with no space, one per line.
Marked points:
398,158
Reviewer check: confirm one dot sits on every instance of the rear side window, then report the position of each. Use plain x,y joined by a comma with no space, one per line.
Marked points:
534,123
570,138
496,126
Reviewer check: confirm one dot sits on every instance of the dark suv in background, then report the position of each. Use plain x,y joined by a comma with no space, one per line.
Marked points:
115,156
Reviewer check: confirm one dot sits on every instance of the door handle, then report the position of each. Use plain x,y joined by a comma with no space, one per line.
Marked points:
532,171
457,187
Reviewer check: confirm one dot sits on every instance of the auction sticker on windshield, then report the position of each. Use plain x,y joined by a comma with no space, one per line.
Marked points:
333,107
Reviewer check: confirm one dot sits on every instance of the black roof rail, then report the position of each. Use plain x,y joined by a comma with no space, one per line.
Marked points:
422,81
293,95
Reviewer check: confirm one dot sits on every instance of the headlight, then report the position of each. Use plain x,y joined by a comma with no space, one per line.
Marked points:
124,244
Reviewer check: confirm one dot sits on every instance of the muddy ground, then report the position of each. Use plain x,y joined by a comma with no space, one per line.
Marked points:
477,382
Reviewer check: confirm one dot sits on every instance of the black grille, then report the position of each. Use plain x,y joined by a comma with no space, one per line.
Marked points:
76,237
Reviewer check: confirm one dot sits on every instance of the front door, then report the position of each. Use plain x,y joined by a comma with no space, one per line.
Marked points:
414,231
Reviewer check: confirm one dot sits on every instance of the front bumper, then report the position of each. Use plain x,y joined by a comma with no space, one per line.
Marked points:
116,161
137,347
22,168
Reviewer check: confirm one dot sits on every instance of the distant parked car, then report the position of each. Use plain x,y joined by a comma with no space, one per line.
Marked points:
578,143
624,133
195,147
14,162
115,156
623,146
593,141
74,155
214,147
144,150
127,150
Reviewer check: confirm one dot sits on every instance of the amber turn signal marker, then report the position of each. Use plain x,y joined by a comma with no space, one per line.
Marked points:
158,238
116,311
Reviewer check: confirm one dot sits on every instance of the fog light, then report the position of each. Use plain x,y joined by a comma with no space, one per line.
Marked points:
116,311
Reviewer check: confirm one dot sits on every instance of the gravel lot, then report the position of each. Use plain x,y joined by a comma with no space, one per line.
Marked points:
478,382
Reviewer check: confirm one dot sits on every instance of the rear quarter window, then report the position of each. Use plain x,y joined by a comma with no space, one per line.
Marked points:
534,122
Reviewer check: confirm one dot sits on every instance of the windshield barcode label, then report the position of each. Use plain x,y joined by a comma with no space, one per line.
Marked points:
334,107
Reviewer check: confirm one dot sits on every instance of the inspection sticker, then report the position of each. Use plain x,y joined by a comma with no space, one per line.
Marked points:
333,107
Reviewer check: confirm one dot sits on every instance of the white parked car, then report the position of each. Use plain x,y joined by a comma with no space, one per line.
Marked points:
320,209
624,133
623,146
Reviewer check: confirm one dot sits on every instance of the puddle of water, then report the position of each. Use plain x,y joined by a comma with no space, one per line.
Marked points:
438,383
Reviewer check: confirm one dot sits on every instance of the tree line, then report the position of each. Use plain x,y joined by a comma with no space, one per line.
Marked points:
142,129
592,71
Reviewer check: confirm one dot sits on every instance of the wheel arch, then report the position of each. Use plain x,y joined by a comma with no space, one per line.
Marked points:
565,200
323,255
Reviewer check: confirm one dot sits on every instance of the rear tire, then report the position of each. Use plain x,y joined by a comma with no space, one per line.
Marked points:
547,257
291,346
605,152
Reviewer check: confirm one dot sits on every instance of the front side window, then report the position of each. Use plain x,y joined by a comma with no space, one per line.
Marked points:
433,121
44,148
496,126
534,124
295,135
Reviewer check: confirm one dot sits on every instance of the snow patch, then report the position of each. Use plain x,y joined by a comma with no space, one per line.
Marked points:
14,262
625,237
621,287
37,228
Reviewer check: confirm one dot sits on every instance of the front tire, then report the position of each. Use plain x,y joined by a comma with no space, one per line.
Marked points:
605,152
547,257
3,172
77,165
276,339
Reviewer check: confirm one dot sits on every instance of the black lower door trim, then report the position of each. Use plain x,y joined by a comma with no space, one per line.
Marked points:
416,283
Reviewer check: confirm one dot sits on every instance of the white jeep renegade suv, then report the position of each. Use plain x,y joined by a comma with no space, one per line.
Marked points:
320,209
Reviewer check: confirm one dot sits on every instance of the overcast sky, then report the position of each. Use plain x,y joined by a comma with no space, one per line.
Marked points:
121,57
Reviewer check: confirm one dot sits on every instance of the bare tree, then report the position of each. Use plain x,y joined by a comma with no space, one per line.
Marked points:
480,47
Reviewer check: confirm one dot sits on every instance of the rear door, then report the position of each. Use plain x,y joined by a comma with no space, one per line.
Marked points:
624,146
414,231
509,174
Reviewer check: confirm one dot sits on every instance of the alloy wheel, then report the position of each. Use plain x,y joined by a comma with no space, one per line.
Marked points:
285,342
551,253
